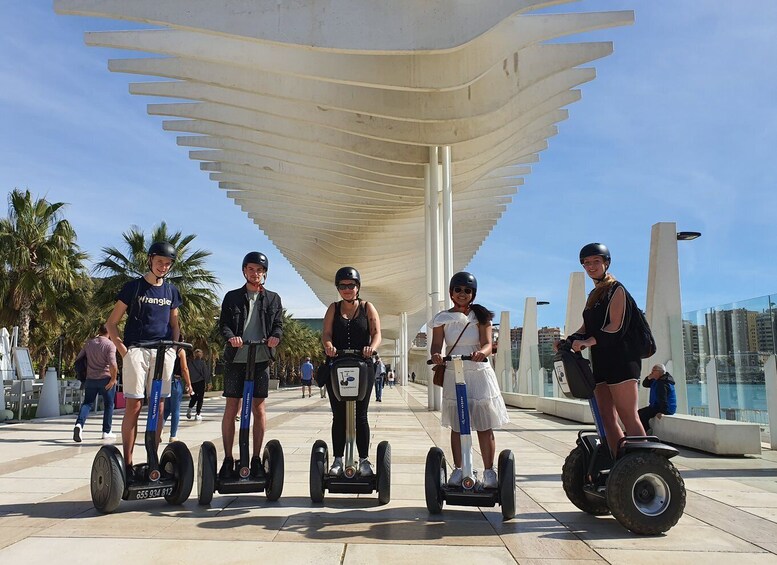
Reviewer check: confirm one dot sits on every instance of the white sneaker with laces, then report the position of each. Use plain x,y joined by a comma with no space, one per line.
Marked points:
198,418
365,467
109,435
490,479
173,438
337,467
455,479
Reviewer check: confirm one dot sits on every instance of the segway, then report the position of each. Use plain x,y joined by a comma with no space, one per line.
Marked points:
639,485
470,492
350,379
170,476
241,480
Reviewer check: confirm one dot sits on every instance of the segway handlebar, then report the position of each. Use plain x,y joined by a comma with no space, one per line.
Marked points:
353,352
164,343
462,357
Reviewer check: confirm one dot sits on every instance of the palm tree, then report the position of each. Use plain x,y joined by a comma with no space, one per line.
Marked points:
299,341
40,262
195,283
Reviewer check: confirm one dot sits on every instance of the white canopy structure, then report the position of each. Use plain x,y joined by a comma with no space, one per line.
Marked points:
320,119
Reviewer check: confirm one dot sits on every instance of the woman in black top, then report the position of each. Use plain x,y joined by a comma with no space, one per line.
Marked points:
350,324
616,369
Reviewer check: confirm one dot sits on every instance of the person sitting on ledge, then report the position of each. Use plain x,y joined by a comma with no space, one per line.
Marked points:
663,399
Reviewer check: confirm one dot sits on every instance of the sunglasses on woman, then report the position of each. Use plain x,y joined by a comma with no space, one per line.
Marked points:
464,289
344,286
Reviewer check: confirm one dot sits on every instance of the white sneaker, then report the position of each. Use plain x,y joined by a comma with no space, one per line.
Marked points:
109,435
337,467
365,467
189,414
455,479
173,438
489,479
198,418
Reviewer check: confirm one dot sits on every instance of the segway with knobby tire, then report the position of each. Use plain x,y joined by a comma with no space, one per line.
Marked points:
471,492
639,485
350,381
269,478
170,476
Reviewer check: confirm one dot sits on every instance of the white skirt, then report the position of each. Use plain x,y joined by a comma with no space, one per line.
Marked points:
487,409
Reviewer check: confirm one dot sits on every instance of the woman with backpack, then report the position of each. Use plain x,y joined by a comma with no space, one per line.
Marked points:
616,366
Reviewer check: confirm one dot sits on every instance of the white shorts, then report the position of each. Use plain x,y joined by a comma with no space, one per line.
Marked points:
138,372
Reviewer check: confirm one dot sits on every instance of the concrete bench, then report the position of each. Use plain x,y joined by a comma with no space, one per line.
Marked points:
517,400
567,408
721,437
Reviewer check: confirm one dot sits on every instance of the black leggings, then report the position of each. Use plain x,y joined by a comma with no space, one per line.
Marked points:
198,394
338,422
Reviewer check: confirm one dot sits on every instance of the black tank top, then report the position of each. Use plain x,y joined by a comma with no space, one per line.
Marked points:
177,368
353,333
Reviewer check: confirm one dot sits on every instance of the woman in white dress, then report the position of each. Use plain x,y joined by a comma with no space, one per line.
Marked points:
470,324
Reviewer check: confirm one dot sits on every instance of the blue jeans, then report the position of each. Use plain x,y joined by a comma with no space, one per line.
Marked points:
173,406
378,388
93,387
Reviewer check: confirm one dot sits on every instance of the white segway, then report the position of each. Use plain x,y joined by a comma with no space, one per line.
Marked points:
470,492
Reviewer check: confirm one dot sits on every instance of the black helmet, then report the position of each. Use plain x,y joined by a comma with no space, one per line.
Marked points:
163,248
593,249
256,258
347,273
464,279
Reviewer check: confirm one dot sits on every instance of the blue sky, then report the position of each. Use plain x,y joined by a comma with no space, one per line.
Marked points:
679,125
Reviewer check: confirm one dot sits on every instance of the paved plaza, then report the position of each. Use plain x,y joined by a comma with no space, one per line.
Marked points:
46,514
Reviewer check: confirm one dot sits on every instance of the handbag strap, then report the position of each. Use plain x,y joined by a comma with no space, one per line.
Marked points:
455,343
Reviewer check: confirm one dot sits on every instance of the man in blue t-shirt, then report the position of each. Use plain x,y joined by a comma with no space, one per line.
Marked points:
306,370
151,305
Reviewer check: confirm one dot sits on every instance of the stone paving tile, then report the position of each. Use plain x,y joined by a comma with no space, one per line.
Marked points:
631,557
359,554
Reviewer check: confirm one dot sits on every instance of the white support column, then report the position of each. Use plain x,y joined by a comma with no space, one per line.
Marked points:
504,355
663,308
575,303
429,305
405,348
770,374
529,359
447,221
434,265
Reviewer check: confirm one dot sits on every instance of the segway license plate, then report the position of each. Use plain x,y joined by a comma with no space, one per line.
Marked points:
348,381
145,492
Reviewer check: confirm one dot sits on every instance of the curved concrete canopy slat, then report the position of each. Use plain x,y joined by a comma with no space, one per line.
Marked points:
397,25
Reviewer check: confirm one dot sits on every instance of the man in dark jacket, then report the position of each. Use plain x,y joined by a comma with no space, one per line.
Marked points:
249,313
663,399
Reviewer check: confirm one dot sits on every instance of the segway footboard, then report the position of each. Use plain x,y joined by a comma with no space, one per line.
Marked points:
457,496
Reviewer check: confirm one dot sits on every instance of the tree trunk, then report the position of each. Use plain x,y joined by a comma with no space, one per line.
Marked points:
25,315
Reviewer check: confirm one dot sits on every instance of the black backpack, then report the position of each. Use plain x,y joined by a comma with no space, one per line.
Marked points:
80,368
639,338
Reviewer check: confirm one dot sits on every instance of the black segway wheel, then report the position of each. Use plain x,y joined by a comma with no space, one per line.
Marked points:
646,493
108,480
573,480
384,472
206,473
506,469
272,461
435,476
319,463
177,461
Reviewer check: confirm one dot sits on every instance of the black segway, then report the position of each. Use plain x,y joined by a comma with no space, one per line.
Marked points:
170,476
349,377
242,481
470,492
639,485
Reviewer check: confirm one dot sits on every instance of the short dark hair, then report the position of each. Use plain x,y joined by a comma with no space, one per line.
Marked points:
103,330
